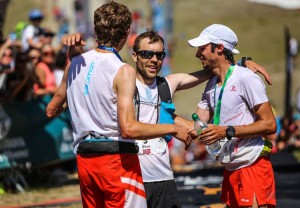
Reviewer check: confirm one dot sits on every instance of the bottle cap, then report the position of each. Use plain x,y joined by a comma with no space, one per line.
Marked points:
195,117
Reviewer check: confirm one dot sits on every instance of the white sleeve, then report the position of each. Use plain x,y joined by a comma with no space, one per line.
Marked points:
253,89
207,95
28,32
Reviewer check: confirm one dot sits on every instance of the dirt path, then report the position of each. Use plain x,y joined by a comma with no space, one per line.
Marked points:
67,195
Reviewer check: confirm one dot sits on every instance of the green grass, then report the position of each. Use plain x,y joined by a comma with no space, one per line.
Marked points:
260,29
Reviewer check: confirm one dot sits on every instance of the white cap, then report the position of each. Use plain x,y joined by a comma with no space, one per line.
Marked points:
218,34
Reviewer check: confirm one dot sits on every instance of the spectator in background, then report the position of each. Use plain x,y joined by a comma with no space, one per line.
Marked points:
60,62
7,64
19,83
30,35
34,56
45,79
46,36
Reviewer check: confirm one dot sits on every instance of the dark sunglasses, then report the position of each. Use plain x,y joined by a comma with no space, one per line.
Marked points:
160,55
33,57
7,55
48,53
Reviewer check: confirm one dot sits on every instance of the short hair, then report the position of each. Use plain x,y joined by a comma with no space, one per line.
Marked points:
152,35
227,53
111,23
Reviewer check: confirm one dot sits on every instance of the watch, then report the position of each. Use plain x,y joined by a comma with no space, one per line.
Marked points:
230,132
244,59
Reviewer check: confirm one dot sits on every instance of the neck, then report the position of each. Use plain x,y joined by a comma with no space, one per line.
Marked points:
223,69
110,50
145,81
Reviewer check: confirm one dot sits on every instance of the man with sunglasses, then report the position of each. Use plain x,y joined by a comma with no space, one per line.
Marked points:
235,98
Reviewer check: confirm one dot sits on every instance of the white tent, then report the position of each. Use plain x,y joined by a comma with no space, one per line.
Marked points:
285,4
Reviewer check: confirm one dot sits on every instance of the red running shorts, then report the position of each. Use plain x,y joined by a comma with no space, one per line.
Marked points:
110,181
240,186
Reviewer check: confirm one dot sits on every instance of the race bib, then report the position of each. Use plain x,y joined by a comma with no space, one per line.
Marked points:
152,146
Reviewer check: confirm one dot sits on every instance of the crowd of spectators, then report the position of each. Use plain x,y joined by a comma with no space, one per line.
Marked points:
30,64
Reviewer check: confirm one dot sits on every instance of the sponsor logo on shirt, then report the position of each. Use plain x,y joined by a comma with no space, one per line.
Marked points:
233,88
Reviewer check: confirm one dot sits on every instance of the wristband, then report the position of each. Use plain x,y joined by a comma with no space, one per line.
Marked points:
239,62
244,59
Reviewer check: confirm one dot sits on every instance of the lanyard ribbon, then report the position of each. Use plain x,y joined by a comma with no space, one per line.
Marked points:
106,48
218,104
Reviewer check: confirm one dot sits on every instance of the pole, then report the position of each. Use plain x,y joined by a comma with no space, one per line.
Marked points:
289,69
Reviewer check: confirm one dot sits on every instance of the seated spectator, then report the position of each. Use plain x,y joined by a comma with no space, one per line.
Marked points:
45,79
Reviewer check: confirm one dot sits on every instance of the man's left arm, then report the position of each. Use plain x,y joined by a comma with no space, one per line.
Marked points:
265,124
259,69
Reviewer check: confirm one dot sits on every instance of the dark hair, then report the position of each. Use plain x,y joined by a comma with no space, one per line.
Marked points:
61,59
227,53
111,23
152,35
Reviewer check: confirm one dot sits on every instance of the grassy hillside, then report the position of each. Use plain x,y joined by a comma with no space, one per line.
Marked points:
260,29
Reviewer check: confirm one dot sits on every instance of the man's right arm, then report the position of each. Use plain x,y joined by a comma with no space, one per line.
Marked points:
59,101
124,86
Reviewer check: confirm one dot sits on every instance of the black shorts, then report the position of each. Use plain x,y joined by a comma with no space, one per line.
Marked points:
162,194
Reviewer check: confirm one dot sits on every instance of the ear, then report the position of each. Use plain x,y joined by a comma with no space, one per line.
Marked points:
220,48
134,56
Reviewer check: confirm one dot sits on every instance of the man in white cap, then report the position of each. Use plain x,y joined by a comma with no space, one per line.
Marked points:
235,98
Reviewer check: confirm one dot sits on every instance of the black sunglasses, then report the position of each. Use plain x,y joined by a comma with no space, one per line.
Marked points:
160,55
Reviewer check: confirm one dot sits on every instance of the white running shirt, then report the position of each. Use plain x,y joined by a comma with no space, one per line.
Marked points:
244,90
91,99
154,153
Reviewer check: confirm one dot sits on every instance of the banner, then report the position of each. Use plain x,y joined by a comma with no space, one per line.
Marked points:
33,138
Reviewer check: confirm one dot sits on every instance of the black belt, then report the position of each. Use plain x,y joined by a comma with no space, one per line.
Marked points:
106,147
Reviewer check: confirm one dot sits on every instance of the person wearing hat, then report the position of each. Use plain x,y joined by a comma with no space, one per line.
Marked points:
236,100
30,36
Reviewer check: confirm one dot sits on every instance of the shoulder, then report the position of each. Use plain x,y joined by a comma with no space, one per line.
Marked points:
243,70
244,74
127,69
29,27
82,58
41,65
125,78
248,79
